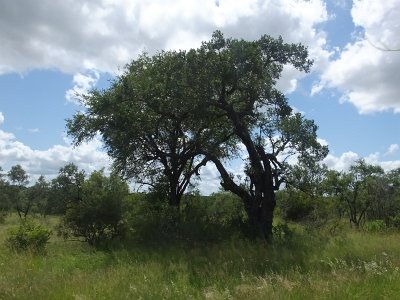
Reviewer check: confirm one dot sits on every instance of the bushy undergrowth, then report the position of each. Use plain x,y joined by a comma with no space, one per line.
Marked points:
301,264
29,236
3,215
375,226
199,219
96,216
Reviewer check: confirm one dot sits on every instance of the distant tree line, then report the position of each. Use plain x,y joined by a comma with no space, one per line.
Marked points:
365,193
98,207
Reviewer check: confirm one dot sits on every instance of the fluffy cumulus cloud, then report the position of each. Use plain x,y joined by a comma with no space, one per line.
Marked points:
209,181
341,163
366,70
87,38
82,84
1,118
347,159
88,156
393,148
387,165
76,36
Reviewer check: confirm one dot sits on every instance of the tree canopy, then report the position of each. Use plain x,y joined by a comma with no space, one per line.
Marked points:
171,113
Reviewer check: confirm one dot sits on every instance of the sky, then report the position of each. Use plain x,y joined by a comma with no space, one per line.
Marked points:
51,50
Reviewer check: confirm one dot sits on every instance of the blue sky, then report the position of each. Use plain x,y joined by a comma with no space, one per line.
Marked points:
52,49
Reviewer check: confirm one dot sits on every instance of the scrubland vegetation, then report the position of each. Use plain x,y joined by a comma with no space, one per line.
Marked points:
201,251
304,265
279,230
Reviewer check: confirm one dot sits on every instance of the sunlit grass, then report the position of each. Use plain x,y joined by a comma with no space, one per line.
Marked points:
351,265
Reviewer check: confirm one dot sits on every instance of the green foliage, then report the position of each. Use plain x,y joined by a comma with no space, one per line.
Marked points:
148,119
294,205
38,195
96,216
5,204
282,233
169,114
18,191
395,221
18,176
3,215
360,265
66,188
29,237
150,221
200,218
375,226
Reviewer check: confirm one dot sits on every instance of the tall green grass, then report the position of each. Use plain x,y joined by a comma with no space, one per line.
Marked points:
307,265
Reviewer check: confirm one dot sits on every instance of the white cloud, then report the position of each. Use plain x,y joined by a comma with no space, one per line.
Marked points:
374,159
76,36
322,142
393,148
83,83
341,163
1,118
88,156
367,76
34,130
209,179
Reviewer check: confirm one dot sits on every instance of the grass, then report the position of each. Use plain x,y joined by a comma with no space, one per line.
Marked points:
352,265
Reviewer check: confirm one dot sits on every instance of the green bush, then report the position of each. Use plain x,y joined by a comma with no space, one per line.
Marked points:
200,218
375,226
28,236
294,206
395,221
282,233
97,216
3,215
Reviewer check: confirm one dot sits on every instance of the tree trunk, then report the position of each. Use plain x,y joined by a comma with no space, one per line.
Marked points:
260,212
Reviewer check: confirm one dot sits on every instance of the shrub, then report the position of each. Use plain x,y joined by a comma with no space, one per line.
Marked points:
97,216
151,219
395,221
282,233
28,236
199,219
294,206
375,226
3,215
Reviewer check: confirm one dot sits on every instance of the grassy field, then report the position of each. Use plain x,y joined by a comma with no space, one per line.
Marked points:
310,265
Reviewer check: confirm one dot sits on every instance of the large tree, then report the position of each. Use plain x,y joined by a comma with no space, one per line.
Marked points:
236,80
171,113
150,123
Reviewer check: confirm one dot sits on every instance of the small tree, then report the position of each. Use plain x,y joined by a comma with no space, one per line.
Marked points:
356,190
38,194
65,189
19,179
4,197
96,216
